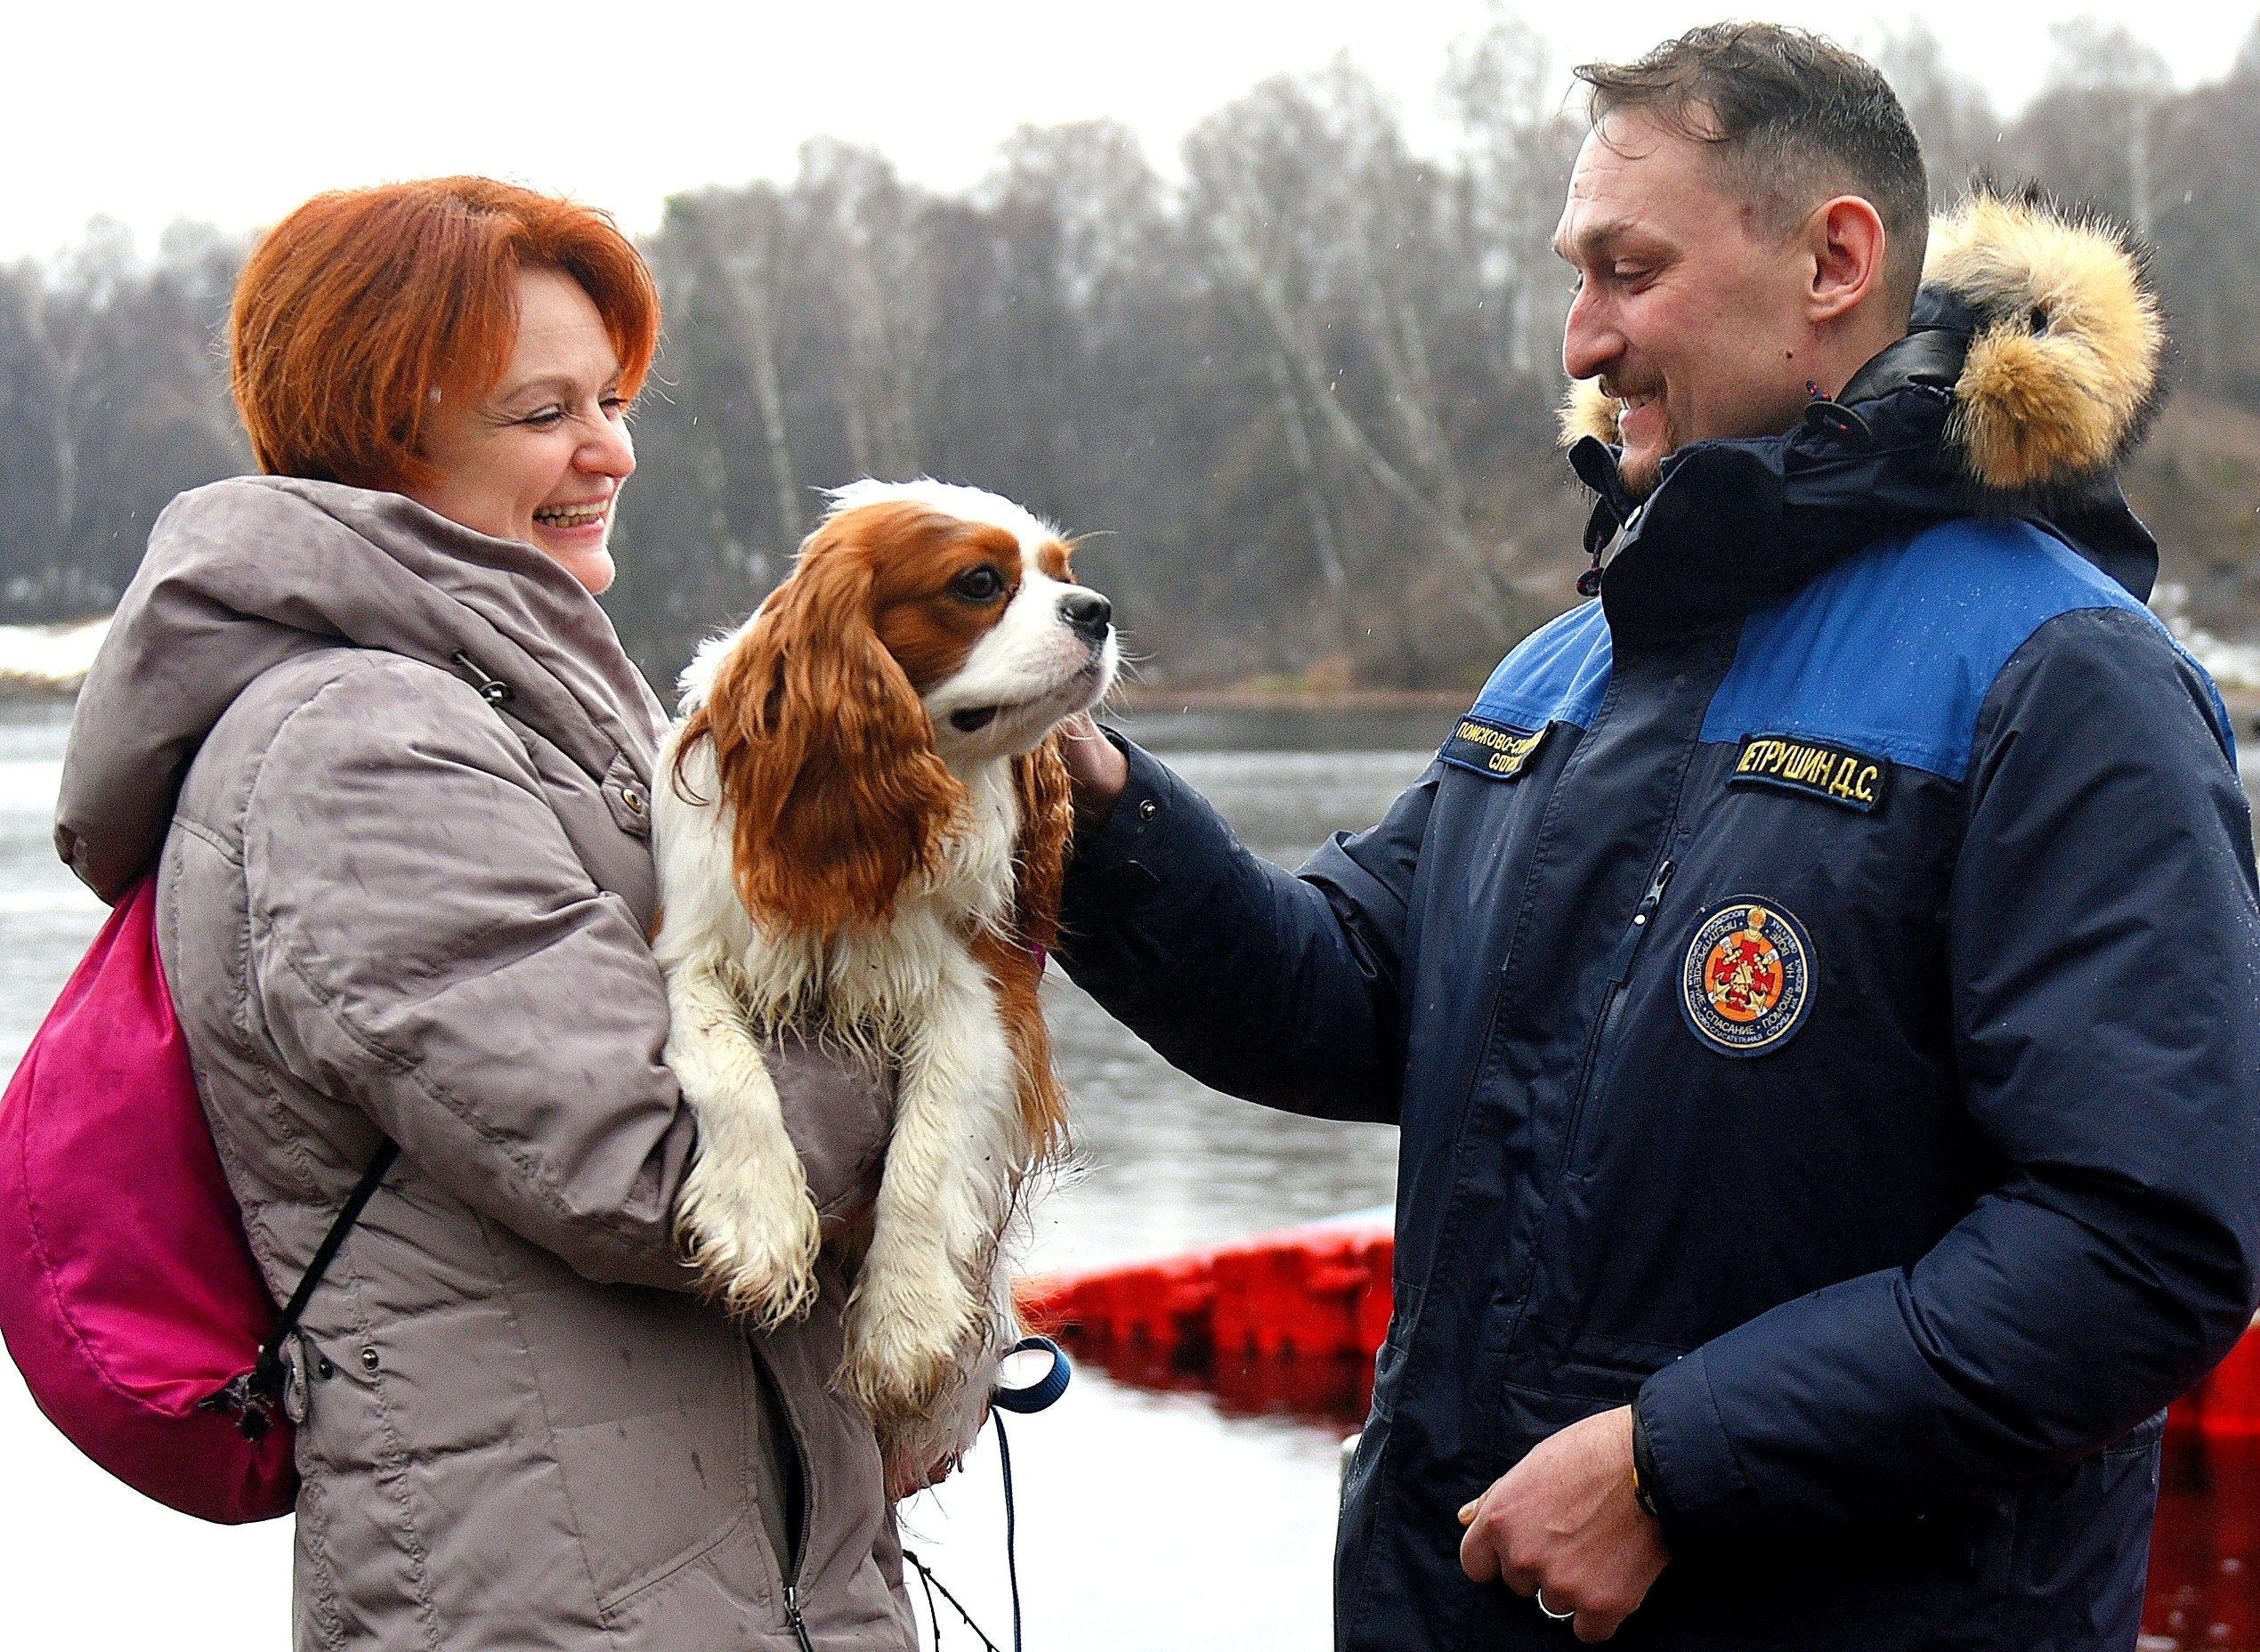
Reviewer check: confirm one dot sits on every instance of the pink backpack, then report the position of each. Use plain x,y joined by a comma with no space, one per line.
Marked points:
128,1294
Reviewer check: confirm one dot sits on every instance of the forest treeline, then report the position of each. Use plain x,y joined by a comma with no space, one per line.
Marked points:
1302,398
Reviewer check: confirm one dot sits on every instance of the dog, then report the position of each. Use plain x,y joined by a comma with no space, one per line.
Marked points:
862,826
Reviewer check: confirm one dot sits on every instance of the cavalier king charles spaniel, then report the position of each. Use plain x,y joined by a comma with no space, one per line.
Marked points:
862,825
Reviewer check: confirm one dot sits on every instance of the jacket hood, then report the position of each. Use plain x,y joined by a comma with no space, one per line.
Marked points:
2031,367
248,572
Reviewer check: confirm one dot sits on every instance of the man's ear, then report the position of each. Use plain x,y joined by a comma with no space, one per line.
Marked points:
1845,239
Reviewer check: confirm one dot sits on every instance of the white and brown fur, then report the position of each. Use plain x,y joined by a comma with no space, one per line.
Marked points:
2062,372
862,824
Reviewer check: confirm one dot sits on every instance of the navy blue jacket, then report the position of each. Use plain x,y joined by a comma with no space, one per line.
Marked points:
1818,984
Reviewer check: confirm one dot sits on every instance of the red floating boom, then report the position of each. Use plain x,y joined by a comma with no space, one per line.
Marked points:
1324,1290
2227,1406
1316,1291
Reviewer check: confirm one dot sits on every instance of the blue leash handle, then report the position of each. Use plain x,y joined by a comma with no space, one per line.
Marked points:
1045,1391
1034,1396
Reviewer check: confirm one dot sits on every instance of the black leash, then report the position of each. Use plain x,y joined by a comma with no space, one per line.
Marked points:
1036,1396
1011,1548
932,1616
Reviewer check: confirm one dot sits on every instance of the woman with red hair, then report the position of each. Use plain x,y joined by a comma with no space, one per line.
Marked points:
366,717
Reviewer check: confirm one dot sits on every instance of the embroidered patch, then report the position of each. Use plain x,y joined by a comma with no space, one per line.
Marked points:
1837,774
1491,748
1747,983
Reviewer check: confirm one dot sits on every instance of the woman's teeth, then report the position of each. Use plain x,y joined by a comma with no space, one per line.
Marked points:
570,515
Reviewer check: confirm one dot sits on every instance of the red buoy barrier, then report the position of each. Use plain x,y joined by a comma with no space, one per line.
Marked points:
1323,1291
2225,1405
1316,1291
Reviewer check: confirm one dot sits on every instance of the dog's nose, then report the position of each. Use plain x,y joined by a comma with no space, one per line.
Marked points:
1087,613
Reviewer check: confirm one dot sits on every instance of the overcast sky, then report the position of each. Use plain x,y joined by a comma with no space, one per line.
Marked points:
234,112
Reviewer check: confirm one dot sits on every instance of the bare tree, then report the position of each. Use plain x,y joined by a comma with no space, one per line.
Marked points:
860,224
1310,207
1515,149
1306,398
1949,111
729,248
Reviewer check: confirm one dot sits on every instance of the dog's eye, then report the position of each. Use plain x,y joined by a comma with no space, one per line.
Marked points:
978,584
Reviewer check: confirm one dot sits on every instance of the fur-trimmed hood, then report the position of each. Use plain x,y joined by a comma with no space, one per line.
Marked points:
2061,346
2030,368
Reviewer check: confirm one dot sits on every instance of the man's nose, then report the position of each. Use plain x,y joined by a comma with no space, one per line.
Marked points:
1589,342
1087,613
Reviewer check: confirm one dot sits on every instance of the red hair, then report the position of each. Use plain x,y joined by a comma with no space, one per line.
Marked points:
364,308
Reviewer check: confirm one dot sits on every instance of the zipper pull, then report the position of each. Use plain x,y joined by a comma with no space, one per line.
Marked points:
493,689
1654,898
794,1621
1644,911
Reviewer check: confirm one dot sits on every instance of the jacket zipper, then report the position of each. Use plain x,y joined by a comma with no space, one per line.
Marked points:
798,1624
1612,998
797,1539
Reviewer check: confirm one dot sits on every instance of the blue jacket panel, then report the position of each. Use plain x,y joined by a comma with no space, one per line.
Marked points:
1825,1014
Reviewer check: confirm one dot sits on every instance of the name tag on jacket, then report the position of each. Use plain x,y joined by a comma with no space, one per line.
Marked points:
1814,768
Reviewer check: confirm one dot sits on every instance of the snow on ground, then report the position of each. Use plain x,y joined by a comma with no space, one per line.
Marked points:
2234,666
53,658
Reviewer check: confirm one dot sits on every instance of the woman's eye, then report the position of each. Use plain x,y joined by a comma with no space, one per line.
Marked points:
548,418
978,584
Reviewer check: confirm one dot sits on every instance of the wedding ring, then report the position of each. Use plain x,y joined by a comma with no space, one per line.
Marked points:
1559,1617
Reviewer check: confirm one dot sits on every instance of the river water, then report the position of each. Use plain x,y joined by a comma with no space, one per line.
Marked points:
1149,1515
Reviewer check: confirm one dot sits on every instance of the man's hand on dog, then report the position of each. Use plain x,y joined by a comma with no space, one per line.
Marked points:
1564,1521
1097,771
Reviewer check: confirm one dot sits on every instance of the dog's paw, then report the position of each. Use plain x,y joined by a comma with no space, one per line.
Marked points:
924,1450
898,1369
913,1464
752,1234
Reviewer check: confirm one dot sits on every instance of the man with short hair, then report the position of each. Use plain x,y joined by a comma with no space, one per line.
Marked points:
1819,982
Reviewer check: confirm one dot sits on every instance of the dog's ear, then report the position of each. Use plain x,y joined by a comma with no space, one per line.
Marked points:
825,754
1040,783
1015,962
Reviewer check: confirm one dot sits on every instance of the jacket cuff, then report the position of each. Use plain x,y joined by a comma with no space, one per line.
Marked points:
1648,1487
1122,863
1688,1469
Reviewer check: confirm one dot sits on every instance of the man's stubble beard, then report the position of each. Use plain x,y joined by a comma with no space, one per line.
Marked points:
1641,476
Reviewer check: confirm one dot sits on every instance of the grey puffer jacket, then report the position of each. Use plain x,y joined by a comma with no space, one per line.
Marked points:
390,907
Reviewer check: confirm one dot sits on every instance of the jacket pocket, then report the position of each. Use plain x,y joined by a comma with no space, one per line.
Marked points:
648,1400
1388,1365
1593,1371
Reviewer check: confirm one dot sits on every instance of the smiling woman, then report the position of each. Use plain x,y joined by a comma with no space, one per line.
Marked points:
541,457
469,343
366,721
